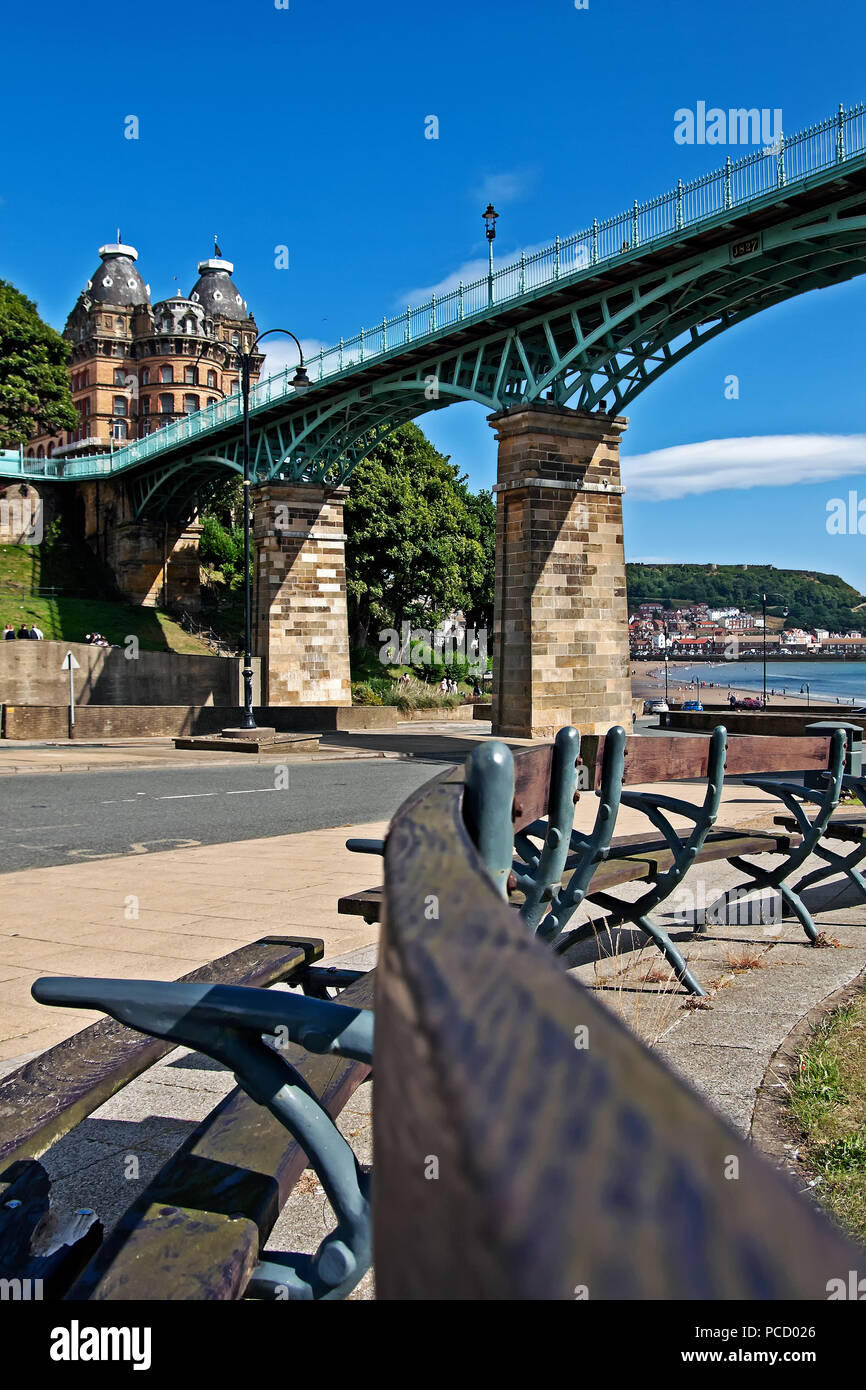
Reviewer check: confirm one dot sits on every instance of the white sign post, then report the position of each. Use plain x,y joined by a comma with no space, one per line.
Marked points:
71,665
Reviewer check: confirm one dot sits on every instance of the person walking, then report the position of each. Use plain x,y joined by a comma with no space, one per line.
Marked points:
24,631
9,633
37,633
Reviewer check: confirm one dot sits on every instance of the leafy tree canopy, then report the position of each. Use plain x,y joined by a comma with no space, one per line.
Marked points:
419,543
34,382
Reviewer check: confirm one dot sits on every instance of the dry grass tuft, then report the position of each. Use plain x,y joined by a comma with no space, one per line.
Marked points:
744,958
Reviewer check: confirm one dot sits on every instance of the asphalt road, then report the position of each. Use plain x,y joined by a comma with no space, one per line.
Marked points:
61,819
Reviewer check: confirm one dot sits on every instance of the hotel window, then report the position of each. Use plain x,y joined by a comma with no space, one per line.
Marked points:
189,376
166,405
212,380
145,405
190,405
145,376
166,373
119,376
118,429
119,405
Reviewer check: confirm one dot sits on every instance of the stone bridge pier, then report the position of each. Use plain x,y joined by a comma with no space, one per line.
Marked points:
152,562
560,611
300,616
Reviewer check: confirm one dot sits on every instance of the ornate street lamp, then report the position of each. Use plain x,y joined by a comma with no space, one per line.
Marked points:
490,216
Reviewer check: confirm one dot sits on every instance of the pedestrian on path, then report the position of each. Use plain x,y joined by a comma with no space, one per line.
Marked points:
9,633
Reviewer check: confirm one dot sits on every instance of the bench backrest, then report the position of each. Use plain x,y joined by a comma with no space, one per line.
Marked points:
665,758
526,1144
668,758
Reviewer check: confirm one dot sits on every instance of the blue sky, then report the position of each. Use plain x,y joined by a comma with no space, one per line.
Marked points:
304,127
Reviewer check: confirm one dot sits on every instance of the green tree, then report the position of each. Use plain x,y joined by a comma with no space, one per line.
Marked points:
413,550
479,604
34,382
222,548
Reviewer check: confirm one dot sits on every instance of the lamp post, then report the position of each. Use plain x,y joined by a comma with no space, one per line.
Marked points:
666,659
301,383
490,215
764,619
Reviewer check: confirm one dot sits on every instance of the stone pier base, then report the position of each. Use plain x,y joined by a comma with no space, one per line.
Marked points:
561,619
300,616
152,562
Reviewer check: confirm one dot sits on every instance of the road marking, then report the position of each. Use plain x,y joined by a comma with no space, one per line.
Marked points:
253,791
185,796
27,829
118,800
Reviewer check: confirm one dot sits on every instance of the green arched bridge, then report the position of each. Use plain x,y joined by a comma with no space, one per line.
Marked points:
590,321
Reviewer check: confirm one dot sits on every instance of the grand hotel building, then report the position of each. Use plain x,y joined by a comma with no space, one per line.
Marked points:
135,366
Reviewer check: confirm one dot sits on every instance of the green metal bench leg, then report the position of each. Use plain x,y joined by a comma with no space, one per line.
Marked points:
795,798
760,879
671,954
619,913
837,863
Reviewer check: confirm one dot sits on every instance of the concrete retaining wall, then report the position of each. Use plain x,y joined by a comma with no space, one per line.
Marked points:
31,674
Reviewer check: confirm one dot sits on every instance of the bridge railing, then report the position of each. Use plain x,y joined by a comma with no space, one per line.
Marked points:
763,171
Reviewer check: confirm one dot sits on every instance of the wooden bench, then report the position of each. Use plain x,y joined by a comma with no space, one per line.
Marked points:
520,812
198,1229
526,1144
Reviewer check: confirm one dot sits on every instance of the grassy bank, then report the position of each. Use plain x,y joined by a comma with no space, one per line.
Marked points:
828,1106
82,604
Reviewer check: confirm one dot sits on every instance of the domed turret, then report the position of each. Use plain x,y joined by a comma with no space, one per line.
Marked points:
215,291
117,281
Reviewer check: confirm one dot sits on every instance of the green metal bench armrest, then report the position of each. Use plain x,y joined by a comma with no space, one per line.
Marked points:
228,1023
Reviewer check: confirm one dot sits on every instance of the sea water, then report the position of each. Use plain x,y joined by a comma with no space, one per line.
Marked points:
826,679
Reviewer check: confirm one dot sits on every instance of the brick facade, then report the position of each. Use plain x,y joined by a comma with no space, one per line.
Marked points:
300,614
560,613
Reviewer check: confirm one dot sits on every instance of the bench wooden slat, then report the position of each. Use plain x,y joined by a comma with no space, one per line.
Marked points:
49,1095
844,825
630,858
366,903
197,1230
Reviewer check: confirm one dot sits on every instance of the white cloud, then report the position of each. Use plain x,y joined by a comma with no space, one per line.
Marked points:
759,461
467,272
503,188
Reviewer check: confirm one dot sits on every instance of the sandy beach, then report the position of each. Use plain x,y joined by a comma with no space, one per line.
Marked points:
648,683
